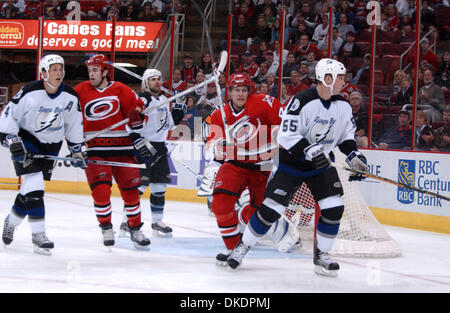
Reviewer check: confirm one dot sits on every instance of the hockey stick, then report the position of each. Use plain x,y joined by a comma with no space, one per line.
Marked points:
187,167
223,60
99,162
393,182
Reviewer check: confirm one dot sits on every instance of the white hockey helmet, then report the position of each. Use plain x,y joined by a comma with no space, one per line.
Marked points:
149,73
329,67
47,61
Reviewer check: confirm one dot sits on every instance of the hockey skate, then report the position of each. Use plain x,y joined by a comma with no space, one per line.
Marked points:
237,255
124,230
8,232
138,238
160,229
42,245
108,235
324,265
222,257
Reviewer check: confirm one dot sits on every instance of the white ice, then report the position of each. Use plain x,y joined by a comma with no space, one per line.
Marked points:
186,262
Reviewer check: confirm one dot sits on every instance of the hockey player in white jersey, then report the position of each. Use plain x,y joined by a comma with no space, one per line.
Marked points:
314,122
35,122
156,129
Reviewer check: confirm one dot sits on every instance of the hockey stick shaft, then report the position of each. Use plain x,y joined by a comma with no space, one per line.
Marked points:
99,162
393,182
188,168
215,76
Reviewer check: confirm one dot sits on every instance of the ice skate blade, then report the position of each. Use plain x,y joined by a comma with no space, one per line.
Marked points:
222,263
141,248
43,251
124,234
157,233
319,270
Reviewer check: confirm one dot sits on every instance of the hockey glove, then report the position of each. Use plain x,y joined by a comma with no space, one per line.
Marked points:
136,120
147,153
357,161
209,177
317,155
79,156
17,148
179,109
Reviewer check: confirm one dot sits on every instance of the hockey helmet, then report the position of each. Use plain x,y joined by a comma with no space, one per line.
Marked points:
149,73
47,61
239,79
329,67
99,59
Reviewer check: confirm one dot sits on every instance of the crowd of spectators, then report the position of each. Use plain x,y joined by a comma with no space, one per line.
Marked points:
124,10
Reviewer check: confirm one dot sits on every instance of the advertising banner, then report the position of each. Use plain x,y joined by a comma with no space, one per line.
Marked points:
81,35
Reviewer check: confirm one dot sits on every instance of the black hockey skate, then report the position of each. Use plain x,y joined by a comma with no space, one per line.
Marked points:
237,255
138,238
160,229
8,232
324,265
222,257
42,245
124,230
108,235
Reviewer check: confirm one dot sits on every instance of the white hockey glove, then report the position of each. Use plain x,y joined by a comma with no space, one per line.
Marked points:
317,155
79,155
17,148
209,176
357,161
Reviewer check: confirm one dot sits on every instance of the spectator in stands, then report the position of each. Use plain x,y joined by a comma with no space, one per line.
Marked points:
273,85
344,27
271,62
336,42
261,53
348,88
19,4
296,84
397,80
308,15
275,34
305,47
402,7
223,86
210,98
428,18
406,90
262,5
32,8
431,97
361,119
240,32
344,9
178,84
392,19
148,13
248,65
321,31
442,135
443,75
157,5
206,65
269,16
276,49
363,73
262,31
247,9
424,133
302,29
189,70
360,22
262,73
198,92
284,97
191,113
311,61
290,65
304,75
263,88
349,48
9,10
399,136
129,14
427,54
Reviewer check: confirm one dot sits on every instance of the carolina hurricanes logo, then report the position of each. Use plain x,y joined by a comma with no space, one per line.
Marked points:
101,108
245,129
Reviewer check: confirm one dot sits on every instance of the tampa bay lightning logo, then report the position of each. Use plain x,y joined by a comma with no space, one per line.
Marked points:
322,130
101,108
48,119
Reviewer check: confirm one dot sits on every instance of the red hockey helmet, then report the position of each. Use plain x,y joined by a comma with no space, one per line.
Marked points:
99,59
239,79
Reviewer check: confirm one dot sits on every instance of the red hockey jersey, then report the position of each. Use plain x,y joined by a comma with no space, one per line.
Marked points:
103,108
251,130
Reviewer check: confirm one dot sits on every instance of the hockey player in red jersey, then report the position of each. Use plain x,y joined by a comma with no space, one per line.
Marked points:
245,158
104,103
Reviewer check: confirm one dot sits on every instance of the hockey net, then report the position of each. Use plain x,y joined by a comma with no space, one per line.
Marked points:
360,234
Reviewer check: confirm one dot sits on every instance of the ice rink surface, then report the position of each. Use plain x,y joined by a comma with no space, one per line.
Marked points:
186,262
